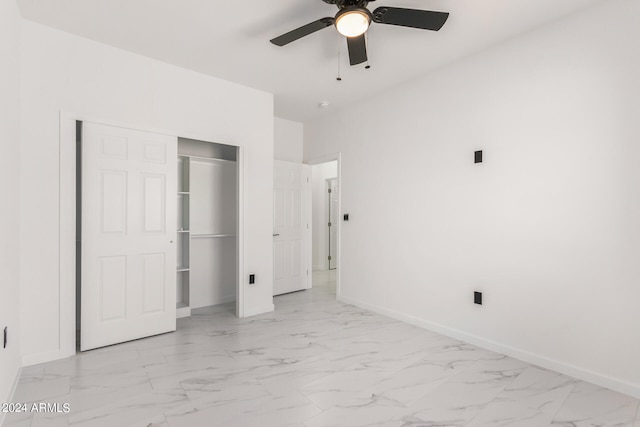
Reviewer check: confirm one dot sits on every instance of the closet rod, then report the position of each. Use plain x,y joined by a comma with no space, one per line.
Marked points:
207,159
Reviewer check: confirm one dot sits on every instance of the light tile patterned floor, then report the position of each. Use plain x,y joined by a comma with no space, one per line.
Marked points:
314,362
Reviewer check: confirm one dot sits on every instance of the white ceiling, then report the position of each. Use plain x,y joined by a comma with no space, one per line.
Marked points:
230,40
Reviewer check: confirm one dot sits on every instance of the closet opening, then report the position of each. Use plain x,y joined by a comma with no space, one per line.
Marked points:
205,262
207,226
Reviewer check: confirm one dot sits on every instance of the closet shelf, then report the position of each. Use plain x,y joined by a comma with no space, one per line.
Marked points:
183,231
199,236
182,268
184,192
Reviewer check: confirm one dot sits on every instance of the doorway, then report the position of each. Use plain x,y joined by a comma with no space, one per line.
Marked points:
326,224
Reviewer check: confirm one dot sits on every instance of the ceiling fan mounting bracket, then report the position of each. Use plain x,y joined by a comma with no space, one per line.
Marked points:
348,3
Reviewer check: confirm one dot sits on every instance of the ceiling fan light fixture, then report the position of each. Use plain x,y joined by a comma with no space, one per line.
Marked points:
353,21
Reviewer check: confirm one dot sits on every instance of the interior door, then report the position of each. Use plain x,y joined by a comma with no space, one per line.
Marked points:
333,222
128,255
291,196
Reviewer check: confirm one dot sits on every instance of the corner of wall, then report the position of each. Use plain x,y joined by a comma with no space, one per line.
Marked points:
288,140
10,45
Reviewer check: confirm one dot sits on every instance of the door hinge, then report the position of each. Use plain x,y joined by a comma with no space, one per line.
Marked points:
329,224
329,257
329,191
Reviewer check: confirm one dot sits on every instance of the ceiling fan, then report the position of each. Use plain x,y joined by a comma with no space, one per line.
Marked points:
353,20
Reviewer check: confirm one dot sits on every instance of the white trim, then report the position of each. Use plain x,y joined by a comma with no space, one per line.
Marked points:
67,245
67,228
183,312
570,370
49,356
216,301
253,311
308,216
240,275
325,159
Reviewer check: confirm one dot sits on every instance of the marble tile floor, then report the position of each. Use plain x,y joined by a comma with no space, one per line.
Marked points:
314,362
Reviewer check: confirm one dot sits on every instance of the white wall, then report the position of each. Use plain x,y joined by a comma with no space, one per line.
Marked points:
10,189
287,143
320,173
72,74
547,227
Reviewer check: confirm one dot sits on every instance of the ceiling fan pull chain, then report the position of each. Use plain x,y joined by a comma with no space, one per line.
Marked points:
366,35
339,78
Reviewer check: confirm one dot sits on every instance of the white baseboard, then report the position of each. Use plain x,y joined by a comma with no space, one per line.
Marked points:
216,301
35,359
253,311
564,368
12,393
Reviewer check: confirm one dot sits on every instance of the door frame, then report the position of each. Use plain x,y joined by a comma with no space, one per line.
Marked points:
327,237
67,226
316,161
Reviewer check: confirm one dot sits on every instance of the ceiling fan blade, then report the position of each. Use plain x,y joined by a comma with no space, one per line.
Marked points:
357,49
414,18
305,30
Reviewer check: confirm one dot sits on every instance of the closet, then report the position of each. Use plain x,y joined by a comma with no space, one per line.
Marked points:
207,225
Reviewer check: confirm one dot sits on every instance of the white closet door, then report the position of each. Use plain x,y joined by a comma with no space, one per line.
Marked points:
291,195
128,235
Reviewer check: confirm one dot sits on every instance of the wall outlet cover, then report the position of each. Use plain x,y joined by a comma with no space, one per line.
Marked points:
477,157
477,298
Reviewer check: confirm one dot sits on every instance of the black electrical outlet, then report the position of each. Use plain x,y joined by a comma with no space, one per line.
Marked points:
5,337
252,279
345,217
477,298
477,157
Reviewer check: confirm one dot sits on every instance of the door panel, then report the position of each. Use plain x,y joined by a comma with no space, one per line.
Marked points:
113,286
291,197
128,235
114,202
153,274
154,195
